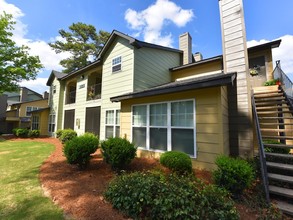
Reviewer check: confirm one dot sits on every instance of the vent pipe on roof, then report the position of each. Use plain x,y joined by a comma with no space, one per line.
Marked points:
185,44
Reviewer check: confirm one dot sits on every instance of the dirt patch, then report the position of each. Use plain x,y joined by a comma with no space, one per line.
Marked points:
80,193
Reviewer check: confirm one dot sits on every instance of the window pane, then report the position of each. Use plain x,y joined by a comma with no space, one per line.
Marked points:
139,137
183,140
139,115
117,117
109,131
158,138
182,114
158,114
117,130
110,117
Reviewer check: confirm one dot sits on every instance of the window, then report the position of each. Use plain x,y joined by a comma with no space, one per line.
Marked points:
52,123
35,122
54,89
29,109
112,123
116,64
165,126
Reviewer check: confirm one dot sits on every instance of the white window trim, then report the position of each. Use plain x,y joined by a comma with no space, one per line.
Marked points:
113,72
37,122
169,127
51,123
115,125
33,108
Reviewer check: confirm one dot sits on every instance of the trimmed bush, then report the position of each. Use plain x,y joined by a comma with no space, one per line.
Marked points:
176,161
78,149
118,152
67,134
20,132
34,133
275,149
58,133
155,196
233,174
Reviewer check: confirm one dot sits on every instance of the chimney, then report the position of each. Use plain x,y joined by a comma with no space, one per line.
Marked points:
235,59
197,56
45,95
185,46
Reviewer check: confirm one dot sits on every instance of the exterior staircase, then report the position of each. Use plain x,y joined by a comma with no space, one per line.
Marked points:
275,124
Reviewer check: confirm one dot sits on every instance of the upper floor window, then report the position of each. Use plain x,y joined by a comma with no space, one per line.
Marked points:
116,64
29,109
54,89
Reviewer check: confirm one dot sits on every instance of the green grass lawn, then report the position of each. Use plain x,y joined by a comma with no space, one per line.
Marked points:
21,195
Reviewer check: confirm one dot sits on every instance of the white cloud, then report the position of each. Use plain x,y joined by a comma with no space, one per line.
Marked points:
150,21
282,53
38,47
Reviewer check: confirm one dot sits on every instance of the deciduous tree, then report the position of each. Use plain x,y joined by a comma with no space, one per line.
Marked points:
15,62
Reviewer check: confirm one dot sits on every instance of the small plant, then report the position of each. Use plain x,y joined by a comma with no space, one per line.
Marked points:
78,149
272,82
20,132
159,196
176,161
233,174
118,152
67,134
275,149
34,133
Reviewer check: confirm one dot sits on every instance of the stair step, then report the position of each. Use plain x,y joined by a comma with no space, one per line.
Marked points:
287,156
271,107
277,124
271,103
269,99
281,191
268,95
283,166
267,92
272,118
282,178
274,112
277,137
285,207
275,130
278,145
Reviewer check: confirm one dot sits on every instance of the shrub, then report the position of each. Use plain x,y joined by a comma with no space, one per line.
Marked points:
58,133
155,196
233,174
176,161
78,149
275,149
272,82
20,132
34,133
67,134
118,152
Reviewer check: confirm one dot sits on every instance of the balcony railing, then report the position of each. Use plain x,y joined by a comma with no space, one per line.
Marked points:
94,92
71,97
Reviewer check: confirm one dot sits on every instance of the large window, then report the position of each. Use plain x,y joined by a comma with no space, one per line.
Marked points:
29,109
165,126
52,123
116,64
112,123
35,122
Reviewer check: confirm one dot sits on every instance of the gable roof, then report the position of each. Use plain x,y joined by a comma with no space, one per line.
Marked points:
183,85
55,74
134,42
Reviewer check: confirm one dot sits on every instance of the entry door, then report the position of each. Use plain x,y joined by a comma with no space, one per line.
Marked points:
69,119
92,120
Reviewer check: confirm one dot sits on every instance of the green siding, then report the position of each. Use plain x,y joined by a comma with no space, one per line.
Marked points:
151,67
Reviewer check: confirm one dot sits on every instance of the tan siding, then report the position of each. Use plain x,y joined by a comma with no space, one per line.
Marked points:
211,134
151,67
118,83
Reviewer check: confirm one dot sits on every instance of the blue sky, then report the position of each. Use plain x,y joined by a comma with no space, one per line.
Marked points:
156,21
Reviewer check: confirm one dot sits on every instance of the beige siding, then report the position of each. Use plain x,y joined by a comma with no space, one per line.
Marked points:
151,67
43,121
118,83
211,113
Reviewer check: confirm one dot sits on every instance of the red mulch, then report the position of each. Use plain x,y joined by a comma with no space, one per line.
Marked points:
80,193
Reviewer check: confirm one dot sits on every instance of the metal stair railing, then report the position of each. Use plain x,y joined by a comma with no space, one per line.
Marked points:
262,156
